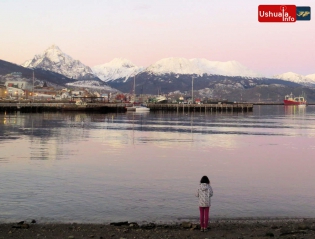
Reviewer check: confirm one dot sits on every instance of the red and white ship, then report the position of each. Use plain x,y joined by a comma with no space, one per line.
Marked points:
291,100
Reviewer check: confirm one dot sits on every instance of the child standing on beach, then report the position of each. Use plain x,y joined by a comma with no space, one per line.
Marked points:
204,193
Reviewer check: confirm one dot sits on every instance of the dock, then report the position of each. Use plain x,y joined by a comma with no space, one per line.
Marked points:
236,107
121,107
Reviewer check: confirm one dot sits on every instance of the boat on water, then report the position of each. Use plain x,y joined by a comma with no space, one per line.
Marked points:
138,108
291,100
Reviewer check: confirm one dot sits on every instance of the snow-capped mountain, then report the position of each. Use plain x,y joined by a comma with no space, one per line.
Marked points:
118,68
53,59
175,65
294,77
197,66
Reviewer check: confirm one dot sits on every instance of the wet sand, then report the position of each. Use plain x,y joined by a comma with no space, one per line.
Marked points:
241,228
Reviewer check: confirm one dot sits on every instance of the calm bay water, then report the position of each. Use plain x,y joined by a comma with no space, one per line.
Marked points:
77,167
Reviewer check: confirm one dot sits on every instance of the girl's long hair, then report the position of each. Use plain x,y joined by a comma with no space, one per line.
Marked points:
205,179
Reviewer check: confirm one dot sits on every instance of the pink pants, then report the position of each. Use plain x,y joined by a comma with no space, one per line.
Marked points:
204,216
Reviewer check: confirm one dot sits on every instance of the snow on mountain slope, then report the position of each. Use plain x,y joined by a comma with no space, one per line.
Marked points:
53,59
175,65
200,66
228,68
291,76
116,69
92,84
312,77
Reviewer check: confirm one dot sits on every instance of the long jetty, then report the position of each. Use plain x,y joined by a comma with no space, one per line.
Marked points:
223,107
121,107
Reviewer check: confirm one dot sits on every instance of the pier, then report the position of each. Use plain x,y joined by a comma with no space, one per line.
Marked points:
236,107
61,106
120,107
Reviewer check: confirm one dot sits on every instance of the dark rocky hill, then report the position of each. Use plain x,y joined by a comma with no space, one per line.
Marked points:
215,86
151,84
40,74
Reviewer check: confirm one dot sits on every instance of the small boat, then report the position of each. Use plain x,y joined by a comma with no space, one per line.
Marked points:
138,108
291,100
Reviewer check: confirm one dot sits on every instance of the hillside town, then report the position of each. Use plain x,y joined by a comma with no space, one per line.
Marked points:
15,87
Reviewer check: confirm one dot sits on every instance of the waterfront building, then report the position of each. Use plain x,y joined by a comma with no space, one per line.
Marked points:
3,92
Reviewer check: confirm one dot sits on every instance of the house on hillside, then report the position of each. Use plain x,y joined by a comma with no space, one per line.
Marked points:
65,95
16,74
79,93
15,80
18,84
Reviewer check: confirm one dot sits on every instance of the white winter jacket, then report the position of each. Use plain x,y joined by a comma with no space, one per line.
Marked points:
204,193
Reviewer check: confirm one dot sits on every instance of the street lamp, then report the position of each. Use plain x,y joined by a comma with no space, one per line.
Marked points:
192,89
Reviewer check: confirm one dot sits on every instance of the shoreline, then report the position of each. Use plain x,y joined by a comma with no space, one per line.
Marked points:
194,220
221,228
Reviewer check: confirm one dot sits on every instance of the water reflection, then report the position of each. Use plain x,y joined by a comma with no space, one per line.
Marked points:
295,110
80,167
156,127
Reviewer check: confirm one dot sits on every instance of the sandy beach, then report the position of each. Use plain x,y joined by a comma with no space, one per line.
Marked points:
234,228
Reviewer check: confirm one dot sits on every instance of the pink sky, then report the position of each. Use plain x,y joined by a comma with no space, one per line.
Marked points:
144,32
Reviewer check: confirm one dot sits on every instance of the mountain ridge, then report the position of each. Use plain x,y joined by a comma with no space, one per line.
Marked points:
200,66
120,69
